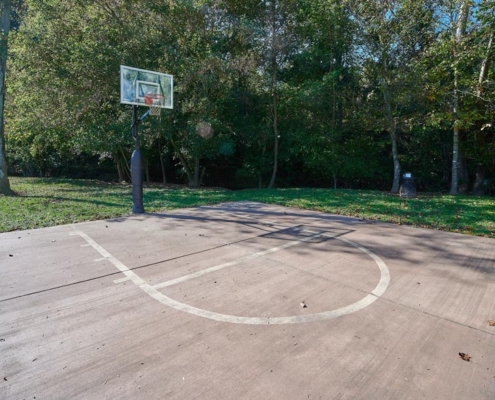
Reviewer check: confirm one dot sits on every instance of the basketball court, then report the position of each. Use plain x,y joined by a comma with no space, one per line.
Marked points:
246,301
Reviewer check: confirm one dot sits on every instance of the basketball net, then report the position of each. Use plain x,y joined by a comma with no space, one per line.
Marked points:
151,100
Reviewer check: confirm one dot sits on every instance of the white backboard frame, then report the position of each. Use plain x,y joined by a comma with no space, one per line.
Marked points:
136,82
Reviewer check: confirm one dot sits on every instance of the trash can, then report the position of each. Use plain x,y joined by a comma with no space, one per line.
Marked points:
407,186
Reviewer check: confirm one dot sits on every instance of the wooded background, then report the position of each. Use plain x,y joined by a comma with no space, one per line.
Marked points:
328,93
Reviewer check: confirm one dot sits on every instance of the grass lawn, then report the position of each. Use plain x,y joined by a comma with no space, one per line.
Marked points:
49,202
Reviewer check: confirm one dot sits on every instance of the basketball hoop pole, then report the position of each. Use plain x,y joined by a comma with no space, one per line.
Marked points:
140,87
137,170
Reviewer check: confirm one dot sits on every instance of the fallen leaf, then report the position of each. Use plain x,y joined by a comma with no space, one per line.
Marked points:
465,357
491,322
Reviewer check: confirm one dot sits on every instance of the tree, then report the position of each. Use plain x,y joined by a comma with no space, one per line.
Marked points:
196,47
5,10
296,92
322,88
272,40
458,65
460,30
485,101
392,34
65,63
278,44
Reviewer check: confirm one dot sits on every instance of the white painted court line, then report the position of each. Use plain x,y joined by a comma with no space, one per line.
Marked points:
385,273
120,266
231,263
122,280
154,293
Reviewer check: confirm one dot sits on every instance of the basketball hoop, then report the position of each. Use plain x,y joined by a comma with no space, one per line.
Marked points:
154,101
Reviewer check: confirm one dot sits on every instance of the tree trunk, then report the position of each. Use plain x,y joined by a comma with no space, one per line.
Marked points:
395,156
126,168
455,152
119,168
201,175
192,176
274,50
196,173
5,8
390,120
189,173
275,148
461,26
485,66
164,172
162,164
392,126
479,182
261,163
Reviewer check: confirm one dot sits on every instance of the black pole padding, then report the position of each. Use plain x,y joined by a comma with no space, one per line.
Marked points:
135,127
137,182
137,170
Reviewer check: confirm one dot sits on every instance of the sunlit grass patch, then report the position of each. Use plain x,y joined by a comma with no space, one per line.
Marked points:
49,202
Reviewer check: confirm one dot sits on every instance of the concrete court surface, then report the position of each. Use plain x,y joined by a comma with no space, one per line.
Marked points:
245,301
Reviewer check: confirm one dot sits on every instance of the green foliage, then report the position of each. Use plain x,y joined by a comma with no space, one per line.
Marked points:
346,78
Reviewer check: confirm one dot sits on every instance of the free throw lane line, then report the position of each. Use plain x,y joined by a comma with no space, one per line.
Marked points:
162,298
231,263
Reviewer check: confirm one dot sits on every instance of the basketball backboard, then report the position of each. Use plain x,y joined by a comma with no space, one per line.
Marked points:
146,88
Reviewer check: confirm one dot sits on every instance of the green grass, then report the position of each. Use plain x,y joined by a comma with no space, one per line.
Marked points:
49,202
